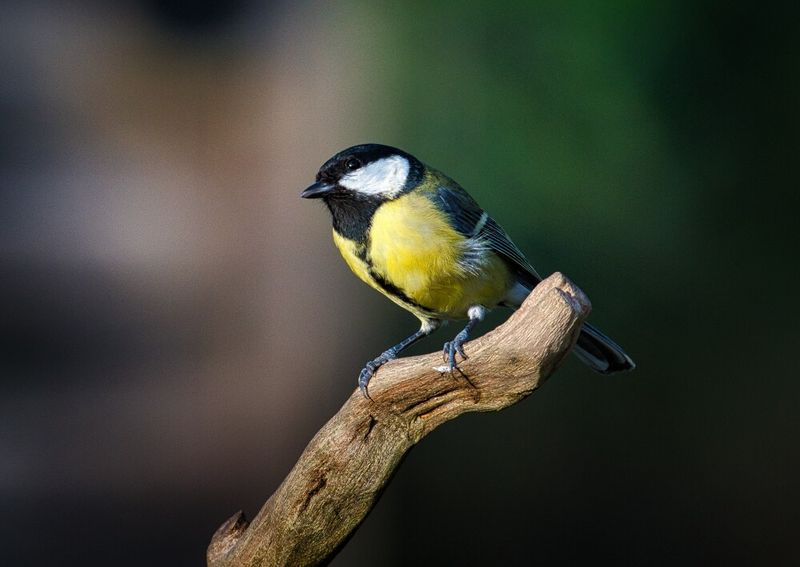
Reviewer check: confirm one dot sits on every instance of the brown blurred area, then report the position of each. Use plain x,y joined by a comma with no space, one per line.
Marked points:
170,304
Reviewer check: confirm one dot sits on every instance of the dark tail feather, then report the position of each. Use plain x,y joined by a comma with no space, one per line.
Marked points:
600,353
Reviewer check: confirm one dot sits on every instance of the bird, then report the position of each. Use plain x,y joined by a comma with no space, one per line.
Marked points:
416,236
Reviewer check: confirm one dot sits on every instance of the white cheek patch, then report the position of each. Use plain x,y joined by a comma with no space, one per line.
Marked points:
384,177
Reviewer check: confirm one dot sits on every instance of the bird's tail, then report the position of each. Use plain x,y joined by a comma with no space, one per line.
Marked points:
593,348
600,353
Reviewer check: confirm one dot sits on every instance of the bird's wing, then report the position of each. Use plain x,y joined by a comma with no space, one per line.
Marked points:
502,244
472,221
466,216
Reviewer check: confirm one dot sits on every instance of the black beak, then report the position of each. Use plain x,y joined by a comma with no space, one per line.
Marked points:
319,189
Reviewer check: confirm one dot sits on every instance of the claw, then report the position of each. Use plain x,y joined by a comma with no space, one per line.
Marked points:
449,352
451,349
369,371
364,378
456,346
428,326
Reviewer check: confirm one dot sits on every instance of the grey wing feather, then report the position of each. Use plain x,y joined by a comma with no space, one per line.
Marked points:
472,221
464,212
501,243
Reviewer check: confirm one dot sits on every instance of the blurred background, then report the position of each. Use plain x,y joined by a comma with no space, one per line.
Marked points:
175,323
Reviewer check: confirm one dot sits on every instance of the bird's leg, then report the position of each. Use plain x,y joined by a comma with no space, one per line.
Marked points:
476,314
372,366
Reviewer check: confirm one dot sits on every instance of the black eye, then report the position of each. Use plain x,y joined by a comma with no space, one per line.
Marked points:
352,164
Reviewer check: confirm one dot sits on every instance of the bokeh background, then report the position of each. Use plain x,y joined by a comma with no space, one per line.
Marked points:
175,323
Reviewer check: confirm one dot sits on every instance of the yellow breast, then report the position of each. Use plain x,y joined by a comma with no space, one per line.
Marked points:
413,248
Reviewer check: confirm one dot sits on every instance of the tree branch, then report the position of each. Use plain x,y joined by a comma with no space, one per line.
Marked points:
344,468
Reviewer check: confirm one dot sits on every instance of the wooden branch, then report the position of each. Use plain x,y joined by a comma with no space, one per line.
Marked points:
344,468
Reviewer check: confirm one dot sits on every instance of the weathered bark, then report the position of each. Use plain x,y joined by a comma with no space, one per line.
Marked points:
344,468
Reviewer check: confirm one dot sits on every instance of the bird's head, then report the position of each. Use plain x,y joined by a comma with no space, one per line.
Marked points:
366,172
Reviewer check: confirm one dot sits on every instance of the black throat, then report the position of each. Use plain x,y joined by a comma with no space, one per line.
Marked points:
352,215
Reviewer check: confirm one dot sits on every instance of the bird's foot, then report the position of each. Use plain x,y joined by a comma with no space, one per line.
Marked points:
370,368
451,348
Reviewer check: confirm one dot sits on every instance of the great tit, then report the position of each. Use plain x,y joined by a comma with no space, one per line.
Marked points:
416,236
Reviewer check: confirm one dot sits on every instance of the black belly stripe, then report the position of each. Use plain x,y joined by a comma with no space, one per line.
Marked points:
392,289
386,285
